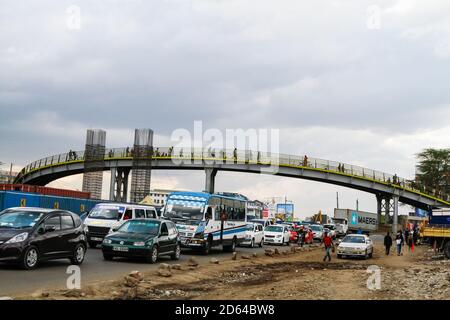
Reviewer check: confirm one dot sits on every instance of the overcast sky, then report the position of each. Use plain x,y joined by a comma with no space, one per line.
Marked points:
362,82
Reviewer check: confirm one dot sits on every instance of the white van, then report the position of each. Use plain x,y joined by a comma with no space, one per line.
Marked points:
106,216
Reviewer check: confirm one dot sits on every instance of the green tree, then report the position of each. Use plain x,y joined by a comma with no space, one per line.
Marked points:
433,170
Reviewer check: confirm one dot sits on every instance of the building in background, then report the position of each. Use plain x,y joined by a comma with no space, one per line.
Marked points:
158,197
7,176
256,210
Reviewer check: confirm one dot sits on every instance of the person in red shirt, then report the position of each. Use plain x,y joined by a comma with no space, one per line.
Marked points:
328,243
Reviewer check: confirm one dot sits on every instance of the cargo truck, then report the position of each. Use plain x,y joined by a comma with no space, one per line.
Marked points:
438,230
351,221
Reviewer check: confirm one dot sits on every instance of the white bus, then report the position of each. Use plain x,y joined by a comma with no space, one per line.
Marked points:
206,220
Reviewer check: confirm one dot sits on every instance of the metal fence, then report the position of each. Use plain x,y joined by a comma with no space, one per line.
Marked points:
211,155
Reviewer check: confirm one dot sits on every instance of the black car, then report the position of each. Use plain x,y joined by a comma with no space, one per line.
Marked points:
30,235
143,238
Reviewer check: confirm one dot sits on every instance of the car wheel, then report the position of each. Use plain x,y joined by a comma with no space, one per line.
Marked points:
177,253
78,254
108,257
261,243
252,244
30,258
92,244
153,255
232,247
371,254
339,256
366,255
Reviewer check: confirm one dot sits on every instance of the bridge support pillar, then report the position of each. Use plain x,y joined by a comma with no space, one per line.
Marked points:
119,184
395,217
210,179
379,207
387,210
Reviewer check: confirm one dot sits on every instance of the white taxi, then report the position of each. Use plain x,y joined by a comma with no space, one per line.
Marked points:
277,234
254,235
355,245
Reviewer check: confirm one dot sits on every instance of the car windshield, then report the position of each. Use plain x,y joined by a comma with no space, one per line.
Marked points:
354,239
145,227
19,219
106,213
329,226
316,228
178,211
274,229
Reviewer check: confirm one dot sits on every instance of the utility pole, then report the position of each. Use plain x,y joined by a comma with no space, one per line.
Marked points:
337,200
10,179
357,205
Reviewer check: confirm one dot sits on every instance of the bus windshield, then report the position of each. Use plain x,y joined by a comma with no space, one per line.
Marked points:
179,211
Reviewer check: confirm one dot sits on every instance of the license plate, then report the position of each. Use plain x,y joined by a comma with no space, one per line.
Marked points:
269,240
96,239
122,249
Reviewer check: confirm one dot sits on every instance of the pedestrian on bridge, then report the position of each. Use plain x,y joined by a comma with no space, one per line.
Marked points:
387,243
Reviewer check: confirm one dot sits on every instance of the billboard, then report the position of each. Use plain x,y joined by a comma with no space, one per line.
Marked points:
286,210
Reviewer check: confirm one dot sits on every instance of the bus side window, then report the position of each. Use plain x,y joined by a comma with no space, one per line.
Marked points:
139,213
128,214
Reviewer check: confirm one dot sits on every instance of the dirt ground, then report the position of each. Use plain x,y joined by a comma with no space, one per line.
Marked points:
287,275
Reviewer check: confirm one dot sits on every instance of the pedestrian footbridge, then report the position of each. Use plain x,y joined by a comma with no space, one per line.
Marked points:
385,186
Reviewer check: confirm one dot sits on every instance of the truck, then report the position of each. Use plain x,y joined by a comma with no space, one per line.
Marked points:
438,230
351,221
341,226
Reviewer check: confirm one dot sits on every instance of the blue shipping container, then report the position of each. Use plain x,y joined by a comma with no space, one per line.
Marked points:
12,199
9,199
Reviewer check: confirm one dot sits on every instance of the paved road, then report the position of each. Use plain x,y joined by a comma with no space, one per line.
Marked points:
52,274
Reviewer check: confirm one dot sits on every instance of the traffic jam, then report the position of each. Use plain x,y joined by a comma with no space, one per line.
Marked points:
189,220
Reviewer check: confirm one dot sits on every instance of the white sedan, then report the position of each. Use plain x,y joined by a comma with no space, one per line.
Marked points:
277,234
254,235
355,245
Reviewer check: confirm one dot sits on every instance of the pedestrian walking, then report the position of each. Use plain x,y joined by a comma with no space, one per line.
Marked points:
399,242
301,236
387,243
328,243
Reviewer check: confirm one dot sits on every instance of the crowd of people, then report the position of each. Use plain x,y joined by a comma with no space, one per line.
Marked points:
408,238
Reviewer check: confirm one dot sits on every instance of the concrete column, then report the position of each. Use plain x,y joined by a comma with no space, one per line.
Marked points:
395,218
112,185
210,179
387,210
379,208
119,184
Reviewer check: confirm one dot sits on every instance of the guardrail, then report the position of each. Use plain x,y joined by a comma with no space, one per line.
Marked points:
234,155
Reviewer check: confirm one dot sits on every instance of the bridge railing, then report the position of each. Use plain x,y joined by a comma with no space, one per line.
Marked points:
216,155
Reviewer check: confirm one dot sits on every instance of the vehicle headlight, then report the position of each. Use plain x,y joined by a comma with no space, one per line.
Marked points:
139,244
107,241
86,229
18,238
